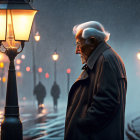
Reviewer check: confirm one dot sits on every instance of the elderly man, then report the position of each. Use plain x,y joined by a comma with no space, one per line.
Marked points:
96,102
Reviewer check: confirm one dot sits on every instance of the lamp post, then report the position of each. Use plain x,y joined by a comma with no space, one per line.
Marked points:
37,39
68,79
55,57
16,17
40,70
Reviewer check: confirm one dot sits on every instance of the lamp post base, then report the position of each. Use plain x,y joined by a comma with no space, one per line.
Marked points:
11,128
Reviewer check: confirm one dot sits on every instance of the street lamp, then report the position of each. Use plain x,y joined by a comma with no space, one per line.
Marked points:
28,69
47,75
40,70
138,55
3,65
16,17
55,57
2,74
23,56
37,39
68,79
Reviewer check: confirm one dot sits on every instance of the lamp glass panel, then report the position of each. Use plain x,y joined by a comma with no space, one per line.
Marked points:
22,23
2,24
10,38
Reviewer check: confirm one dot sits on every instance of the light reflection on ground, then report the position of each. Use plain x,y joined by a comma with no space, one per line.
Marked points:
49,127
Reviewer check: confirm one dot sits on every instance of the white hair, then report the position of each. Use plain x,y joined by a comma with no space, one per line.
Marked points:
92,29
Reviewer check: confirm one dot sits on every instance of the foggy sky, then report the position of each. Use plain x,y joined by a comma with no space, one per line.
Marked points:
55,21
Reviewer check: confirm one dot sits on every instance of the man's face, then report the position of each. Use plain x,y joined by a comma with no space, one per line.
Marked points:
80,43
83,48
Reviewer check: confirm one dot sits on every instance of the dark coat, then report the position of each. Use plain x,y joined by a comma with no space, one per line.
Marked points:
55,91
40,92
96,102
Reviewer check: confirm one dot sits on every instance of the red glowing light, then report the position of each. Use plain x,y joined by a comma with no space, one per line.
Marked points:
40,70
28,69
68,70
47,75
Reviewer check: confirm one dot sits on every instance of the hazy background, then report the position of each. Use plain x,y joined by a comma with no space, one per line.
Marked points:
55,21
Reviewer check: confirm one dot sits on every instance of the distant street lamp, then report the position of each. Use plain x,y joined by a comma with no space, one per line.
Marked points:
55,57
1,65
40,70
19,74
138,55
47,75
37,39
16,17
28,69
23,56
18,61
68,79
3,79
2,74
3,62
17,67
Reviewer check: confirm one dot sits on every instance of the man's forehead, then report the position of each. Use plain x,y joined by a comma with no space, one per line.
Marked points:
79,35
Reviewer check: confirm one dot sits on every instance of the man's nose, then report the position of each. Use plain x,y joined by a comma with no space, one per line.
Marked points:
77,51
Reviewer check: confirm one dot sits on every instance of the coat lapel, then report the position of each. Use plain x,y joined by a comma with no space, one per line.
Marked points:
96,53
92,59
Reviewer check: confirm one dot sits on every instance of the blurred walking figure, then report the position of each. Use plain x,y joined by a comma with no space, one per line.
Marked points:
40,93
55,92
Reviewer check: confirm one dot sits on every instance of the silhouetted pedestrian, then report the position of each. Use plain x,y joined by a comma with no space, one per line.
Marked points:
40,93
55,92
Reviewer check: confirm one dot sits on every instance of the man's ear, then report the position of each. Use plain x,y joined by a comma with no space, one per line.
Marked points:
90,41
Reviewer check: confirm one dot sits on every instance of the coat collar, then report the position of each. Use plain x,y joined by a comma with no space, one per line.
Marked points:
96,53
93,58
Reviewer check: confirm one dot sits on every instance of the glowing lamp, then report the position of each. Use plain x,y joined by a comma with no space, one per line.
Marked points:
68,71
1,65
55,56
22,56
138,55
37,37
47,75
16,18
18,61
15,23
19,74
4,79
17,67
27,69
40,70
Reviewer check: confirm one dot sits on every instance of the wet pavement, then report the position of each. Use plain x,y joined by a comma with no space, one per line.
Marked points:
49,127
133,127
49,124
46,124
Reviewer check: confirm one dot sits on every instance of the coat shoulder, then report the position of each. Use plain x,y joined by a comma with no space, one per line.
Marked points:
115,61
